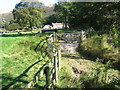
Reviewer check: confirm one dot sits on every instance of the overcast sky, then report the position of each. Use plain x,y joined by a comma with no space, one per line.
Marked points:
8,5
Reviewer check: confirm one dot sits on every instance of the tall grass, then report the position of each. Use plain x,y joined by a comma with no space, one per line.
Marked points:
100,47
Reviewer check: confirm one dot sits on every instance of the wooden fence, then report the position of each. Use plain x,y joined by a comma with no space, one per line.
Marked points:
51,68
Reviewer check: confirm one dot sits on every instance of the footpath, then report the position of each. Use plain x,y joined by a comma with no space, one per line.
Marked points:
71,57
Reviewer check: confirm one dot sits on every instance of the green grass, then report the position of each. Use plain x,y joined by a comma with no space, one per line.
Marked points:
20,63
66,30
36,31
23,32
19,60
8,42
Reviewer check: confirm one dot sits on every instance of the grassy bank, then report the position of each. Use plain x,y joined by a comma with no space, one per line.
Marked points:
20,62
84,73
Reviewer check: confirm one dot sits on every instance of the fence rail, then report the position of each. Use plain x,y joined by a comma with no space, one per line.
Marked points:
49,69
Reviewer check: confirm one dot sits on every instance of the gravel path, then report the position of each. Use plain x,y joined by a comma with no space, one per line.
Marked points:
69,48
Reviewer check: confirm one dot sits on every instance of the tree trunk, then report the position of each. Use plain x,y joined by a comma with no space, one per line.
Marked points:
31,25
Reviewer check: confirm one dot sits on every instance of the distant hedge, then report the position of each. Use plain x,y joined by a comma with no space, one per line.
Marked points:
12,26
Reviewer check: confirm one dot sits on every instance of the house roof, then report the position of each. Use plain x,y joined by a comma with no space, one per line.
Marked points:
57,24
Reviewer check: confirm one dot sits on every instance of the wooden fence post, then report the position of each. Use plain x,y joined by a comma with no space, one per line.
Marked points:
56,37
47,73
59,58
56,69
41,74
53,36
53,77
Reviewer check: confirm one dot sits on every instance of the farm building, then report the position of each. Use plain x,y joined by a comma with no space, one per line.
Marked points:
57,25
47,27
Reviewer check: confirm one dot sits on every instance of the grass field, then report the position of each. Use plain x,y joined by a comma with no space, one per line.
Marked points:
19,60
36,31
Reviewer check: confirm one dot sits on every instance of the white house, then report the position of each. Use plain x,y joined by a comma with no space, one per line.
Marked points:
57,25
47,27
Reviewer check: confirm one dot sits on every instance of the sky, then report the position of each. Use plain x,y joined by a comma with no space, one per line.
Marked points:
8,5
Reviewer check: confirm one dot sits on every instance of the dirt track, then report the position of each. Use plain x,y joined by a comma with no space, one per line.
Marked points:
72,57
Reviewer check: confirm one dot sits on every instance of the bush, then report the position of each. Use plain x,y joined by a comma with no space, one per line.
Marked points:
99,47
12,26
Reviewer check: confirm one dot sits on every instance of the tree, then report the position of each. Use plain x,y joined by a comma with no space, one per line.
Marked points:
62,10
53,19
100,16
28,14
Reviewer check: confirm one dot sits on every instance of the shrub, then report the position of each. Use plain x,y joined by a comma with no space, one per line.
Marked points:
12,26
99,47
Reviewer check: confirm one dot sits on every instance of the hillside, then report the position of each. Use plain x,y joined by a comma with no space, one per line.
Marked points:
8,16
49,10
